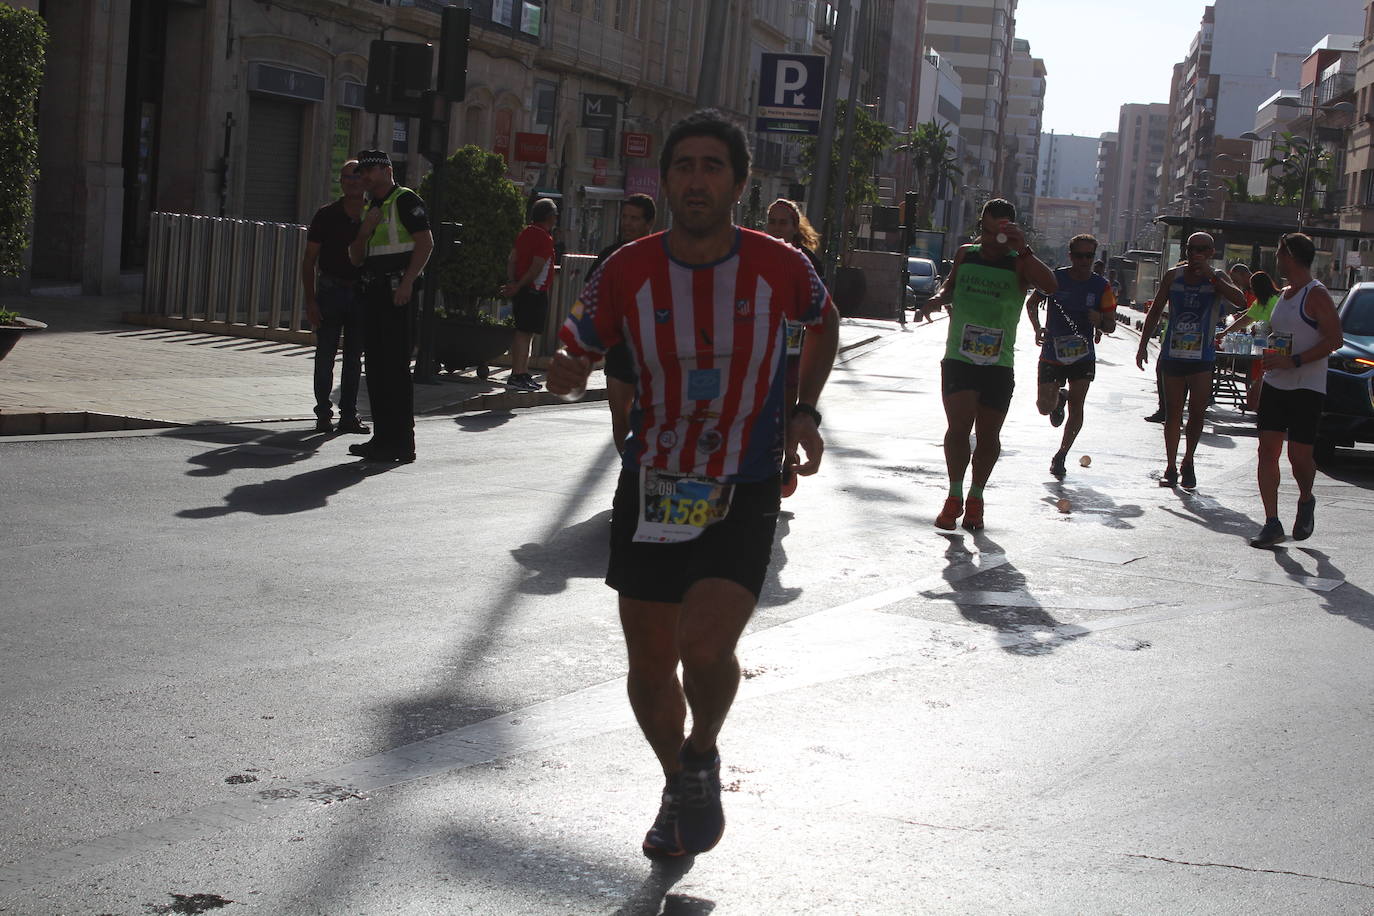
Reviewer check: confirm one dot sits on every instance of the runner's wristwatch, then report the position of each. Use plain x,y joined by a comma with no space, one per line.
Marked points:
809,410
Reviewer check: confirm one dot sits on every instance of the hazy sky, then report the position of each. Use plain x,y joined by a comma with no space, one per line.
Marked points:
1101,55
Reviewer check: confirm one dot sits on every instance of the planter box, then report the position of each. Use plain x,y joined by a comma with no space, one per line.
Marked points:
460,343
10,333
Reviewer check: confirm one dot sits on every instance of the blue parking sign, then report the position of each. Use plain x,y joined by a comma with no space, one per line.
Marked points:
791,90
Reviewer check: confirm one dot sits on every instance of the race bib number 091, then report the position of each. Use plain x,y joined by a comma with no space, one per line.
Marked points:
674,508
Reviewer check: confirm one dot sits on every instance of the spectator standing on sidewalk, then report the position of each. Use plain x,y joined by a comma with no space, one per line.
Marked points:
393,245
529,270
637,215
331,302
1305,332
705,308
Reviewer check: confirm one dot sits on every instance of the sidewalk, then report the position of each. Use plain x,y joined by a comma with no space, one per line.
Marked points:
91,372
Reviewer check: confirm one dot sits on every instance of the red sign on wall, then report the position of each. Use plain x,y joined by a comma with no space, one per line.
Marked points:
531,147
500,144
635,145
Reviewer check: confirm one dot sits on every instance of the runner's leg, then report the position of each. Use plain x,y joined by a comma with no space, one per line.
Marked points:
1302,458
1267,474
1199,397
714,613
1046,397
989,448
1078,394
1175,391
656,694
961,409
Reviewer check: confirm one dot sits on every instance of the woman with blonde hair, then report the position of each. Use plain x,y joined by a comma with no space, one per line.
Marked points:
786,221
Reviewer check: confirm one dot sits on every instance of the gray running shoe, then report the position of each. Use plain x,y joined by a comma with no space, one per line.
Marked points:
1306,520
1270,534
700,817
1057,415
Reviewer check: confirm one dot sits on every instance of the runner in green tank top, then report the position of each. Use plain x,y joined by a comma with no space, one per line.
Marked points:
985,293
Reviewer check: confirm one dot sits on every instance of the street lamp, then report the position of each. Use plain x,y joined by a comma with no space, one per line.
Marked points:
1289,102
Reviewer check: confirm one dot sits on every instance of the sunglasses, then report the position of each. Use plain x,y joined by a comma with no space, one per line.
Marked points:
1085,255
1194,249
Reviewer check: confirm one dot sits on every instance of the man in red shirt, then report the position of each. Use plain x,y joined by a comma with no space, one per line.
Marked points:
704,308
529,270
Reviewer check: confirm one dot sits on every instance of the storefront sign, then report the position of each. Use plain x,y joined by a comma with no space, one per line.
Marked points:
641,179
635,145
531,147
599,110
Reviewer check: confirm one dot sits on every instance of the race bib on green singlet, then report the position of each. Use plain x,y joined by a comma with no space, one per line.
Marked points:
675,508
981,346
1070,348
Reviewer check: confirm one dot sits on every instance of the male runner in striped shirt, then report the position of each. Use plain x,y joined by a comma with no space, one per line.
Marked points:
703,308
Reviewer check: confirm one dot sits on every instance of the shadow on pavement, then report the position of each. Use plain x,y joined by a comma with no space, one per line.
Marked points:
652,897
301,493
774,593
1026,631
1212,515
1087,501
264,451
577,552
1352,466
1355,603
481,422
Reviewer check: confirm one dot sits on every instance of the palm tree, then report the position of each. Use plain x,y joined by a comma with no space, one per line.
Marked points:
1300,164
1237,189
935,163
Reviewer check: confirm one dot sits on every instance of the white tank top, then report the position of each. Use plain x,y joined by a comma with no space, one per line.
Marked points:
1291,318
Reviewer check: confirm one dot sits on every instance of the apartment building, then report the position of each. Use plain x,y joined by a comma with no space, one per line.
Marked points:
1243,52
976,37
1142,133
1357,209
247,109
1068,167
1025,118
1105,182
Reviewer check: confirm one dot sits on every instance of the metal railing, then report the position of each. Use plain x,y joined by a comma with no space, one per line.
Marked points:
240,275
567,285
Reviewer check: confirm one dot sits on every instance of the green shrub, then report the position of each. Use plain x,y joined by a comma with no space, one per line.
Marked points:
476,193
23,43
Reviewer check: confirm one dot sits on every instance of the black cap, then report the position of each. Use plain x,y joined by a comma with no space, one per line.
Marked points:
370,157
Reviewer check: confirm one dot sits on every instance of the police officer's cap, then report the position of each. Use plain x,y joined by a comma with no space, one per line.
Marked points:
373,157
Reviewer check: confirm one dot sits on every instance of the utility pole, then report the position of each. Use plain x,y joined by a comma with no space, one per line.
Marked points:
820,188
708,84
836,231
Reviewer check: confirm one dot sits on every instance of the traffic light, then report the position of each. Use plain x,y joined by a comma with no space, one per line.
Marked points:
398,78
909,205
453,52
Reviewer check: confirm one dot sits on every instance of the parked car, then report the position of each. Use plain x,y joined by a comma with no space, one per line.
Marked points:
922,281
1348,412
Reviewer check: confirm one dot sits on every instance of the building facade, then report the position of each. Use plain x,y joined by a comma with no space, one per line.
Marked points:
1025,118
1068,166
1142,131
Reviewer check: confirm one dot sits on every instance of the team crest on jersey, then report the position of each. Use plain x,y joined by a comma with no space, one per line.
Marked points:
744,309
667,439
663,316
711,440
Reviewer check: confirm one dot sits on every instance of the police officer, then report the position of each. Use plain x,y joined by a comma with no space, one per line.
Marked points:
392,246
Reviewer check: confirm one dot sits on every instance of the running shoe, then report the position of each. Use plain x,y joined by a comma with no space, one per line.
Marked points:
1270,534
1057,415
700,817
1057,465
954,507
1306,520
1170,478
1157,417
973,513
1187,477
661,840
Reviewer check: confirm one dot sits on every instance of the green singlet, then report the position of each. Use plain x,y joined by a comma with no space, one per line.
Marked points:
987,304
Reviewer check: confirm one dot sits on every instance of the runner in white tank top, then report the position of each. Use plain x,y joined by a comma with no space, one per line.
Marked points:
1306,330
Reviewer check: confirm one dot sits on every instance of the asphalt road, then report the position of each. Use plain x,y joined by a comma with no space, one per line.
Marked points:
242,672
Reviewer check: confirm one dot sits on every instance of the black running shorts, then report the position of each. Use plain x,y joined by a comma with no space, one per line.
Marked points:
1058,373
530,308
994,384
737,549
1297,412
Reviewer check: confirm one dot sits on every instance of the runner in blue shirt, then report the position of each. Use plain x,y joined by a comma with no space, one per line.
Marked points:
1193,291
1083,307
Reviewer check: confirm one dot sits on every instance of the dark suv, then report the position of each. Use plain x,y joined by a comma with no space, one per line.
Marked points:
1348,414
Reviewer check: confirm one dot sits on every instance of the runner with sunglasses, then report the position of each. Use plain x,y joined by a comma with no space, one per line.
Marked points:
1083,308
1193,291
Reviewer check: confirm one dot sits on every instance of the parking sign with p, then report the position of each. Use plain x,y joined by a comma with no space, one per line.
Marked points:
791,89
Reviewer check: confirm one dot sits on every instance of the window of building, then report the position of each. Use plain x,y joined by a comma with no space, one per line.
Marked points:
545,97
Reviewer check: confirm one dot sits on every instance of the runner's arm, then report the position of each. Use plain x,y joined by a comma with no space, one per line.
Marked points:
819,349
1104,316
1229,291
1033,314
312,308
1152,317
1035,272
942,298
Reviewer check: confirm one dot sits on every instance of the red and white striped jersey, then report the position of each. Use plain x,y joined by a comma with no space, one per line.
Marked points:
709,347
